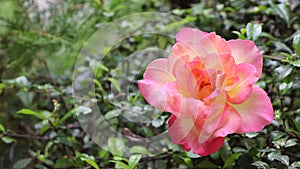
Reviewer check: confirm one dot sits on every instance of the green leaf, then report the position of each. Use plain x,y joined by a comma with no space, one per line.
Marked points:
116,146
112,114
296,43
188,162
191,154
100,86
22,163
7,139
275,135
32,113
22,81
120,164
229,162
283,71
296,121
157,122
253,30
91,162
140,149
261,165
296,164
295,63
68,115
276,155
26,97
63,163
225,151
280,46
291,143
133,160
119,158
284,159
115,83
83,110
2,86
280,142
88,159
47,147
283,12
251,134
2,128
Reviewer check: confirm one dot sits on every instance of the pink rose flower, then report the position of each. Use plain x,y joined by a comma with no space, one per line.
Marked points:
208,84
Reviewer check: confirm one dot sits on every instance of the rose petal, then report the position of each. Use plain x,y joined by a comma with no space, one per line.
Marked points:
229,123
245,51
187,35
157,71
213,43
181,54
153,93
151,87
185,107
247,77
187,81
256,112
214,118
209,147
222,62
184,131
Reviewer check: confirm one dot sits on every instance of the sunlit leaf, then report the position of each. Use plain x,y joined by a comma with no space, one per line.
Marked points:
31,113
7,139
261,165
88,159
229,162
116,84
112,114
296,43
140,149
2,128
116,146
253,30
133,160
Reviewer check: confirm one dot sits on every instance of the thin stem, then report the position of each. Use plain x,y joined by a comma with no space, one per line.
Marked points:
26,136
273,58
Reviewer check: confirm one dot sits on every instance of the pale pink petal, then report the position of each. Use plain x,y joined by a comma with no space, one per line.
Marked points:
247,77
185,107
223,62
187,82
245,51
173,96
229,123
157,71
181,54
182,130
256,112
214,118
213,43
185,132
153,93
187,35
151,87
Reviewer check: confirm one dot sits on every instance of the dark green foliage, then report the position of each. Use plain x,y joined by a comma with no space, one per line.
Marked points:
38,123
